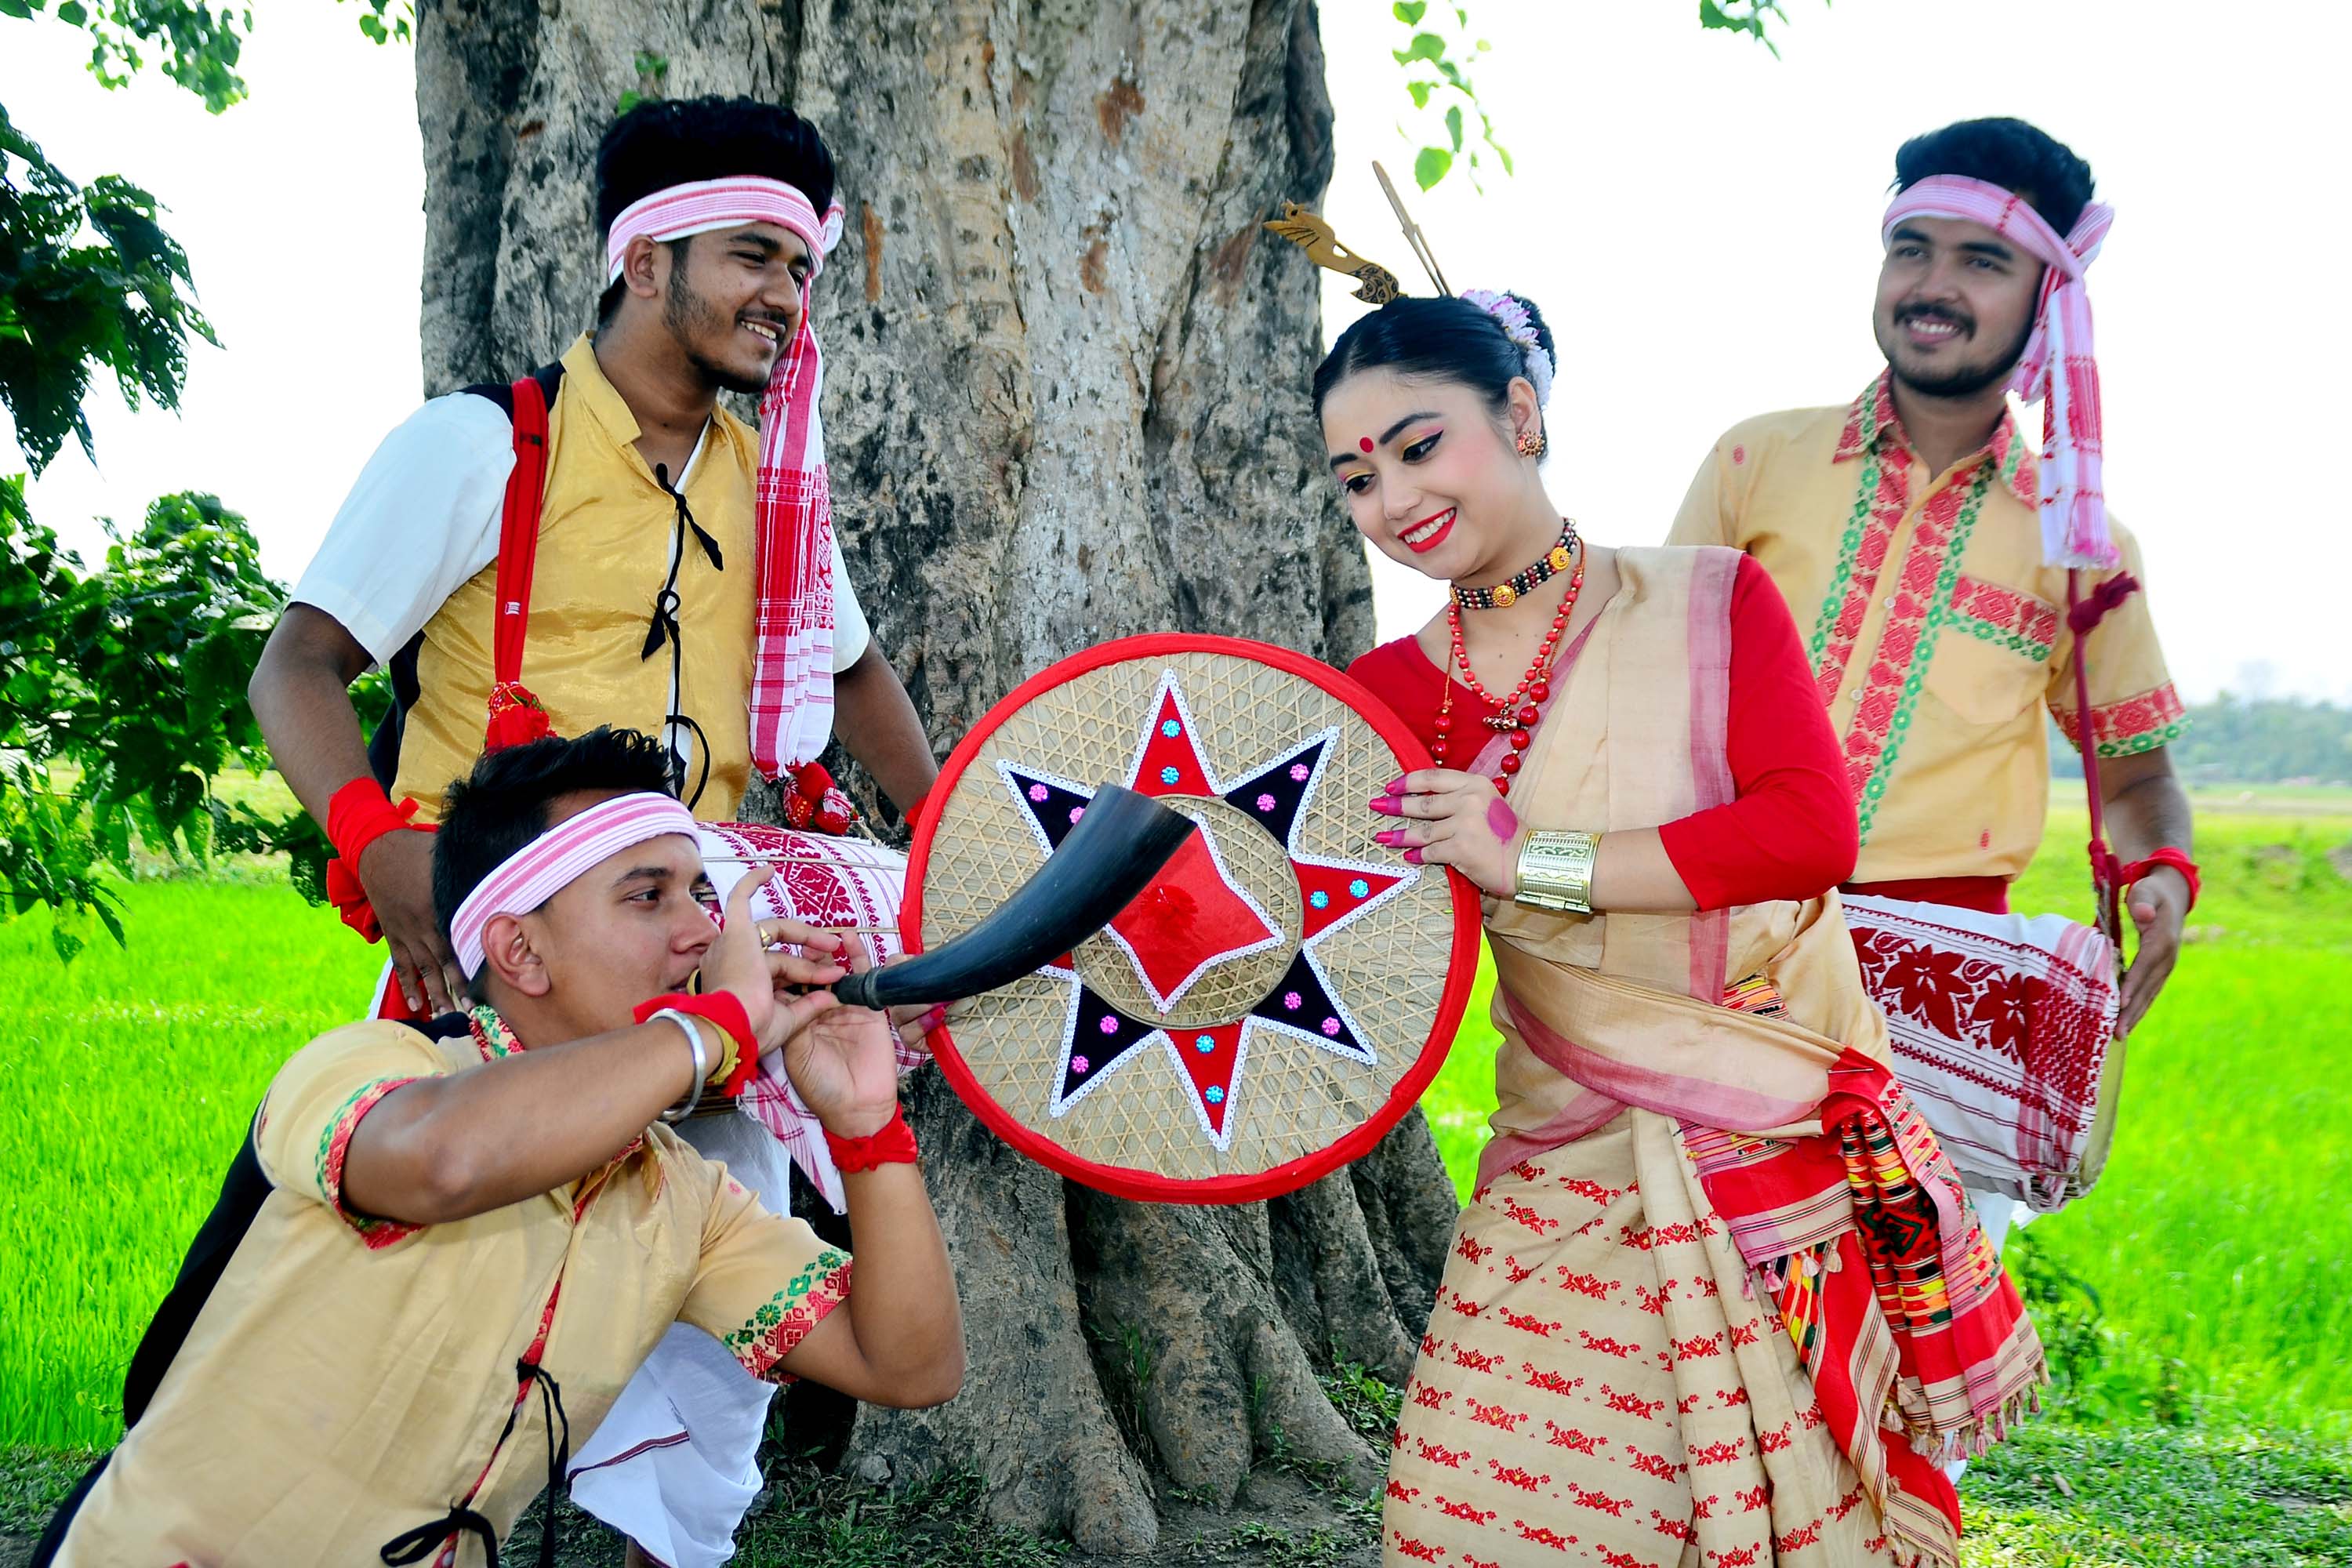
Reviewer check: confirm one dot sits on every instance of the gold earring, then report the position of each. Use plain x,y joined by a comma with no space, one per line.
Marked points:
1531,443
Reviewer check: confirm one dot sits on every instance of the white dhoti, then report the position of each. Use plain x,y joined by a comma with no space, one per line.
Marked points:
675,1463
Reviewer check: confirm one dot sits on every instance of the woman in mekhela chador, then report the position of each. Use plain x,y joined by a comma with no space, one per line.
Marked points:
1718,1298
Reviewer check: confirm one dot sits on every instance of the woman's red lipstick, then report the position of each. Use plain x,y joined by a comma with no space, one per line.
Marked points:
1435,537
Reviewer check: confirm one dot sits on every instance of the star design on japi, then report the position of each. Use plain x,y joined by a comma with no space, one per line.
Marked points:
1196,916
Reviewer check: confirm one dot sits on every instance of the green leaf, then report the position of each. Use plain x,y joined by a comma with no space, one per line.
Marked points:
1424,47
1409,11
1431,165
72,14
1421,91
1453,125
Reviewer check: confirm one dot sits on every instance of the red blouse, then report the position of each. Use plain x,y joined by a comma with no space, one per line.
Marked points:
1789,831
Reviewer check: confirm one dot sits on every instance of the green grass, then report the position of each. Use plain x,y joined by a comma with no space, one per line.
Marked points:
2061,1495
128,1080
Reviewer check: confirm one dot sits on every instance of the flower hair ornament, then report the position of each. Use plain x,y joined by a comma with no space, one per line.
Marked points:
1312,235
1520,328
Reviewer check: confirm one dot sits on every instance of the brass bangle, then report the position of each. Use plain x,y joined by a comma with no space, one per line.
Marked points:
1554,871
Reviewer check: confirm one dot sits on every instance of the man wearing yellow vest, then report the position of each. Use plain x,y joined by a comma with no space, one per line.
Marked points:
1952,578
683,580
648,607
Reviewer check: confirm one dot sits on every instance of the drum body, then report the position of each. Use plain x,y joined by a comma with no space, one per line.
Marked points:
2002,1028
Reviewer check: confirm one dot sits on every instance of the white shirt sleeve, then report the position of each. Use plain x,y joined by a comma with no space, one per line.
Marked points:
421,519
851,634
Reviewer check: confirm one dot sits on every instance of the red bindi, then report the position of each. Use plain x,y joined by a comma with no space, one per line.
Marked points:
1365,442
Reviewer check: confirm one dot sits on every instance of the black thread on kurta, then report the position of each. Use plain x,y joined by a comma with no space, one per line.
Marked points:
665,629
414,1545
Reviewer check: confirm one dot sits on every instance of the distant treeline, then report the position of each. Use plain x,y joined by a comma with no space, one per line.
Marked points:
2233,740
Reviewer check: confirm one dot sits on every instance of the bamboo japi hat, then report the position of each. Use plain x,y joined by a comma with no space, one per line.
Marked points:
1280,994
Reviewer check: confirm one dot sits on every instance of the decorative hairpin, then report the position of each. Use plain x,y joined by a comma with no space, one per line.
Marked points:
1411,231
1311,234
1307,231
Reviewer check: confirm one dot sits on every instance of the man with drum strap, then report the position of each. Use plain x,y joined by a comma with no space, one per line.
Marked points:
682,579
688,576
1947,575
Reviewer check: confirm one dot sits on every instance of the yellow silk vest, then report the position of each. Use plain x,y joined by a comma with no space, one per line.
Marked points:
606,532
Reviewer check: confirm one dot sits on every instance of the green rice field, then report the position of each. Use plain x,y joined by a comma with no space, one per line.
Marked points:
2199,1302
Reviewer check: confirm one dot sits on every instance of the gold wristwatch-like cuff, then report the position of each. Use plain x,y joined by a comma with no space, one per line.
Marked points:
1554,871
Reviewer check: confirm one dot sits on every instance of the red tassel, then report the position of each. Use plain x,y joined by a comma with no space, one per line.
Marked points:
516,717
2088,612
812,782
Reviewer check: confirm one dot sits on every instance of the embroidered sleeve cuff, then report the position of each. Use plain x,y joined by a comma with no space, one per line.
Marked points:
335,1143
775,1328
2134,725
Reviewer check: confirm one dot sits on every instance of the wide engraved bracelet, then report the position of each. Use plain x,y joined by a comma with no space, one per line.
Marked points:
1554,871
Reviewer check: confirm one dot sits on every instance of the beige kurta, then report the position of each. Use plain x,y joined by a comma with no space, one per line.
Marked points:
348,1378
1938,637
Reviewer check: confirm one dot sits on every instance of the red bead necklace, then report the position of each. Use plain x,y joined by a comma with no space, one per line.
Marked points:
1516,714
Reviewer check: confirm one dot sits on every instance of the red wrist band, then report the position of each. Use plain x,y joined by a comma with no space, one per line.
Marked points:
361,813
723,1008
357,816
893,1144
2167,856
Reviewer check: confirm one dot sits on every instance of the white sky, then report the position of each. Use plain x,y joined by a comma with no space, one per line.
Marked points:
1697,220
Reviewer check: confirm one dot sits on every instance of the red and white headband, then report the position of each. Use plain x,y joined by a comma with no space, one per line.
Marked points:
2058,368
557,858
701,205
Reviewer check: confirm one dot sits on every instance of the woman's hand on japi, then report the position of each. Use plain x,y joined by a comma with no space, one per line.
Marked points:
1451,818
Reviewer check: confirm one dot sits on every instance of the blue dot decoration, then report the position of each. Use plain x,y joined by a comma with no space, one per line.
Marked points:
1214,1095
1167,775
1204,1044
1170,728
1319,898
1359,888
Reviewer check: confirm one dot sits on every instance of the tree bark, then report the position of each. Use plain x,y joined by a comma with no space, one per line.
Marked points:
1066,401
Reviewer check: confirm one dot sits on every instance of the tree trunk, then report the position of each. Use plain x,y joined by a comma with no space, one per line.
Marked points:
1066,401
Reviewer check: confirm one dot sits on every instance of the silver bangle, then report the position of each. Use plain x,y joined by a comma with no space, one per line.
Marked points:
1554,872
680,1111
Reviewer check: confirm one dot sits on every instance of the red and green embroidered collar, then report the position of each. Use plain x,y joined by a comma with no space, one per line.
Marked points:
1871,425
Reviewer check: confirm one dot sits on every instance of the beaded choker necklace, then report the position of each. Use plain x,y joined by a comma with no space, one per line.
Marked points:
1504,595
